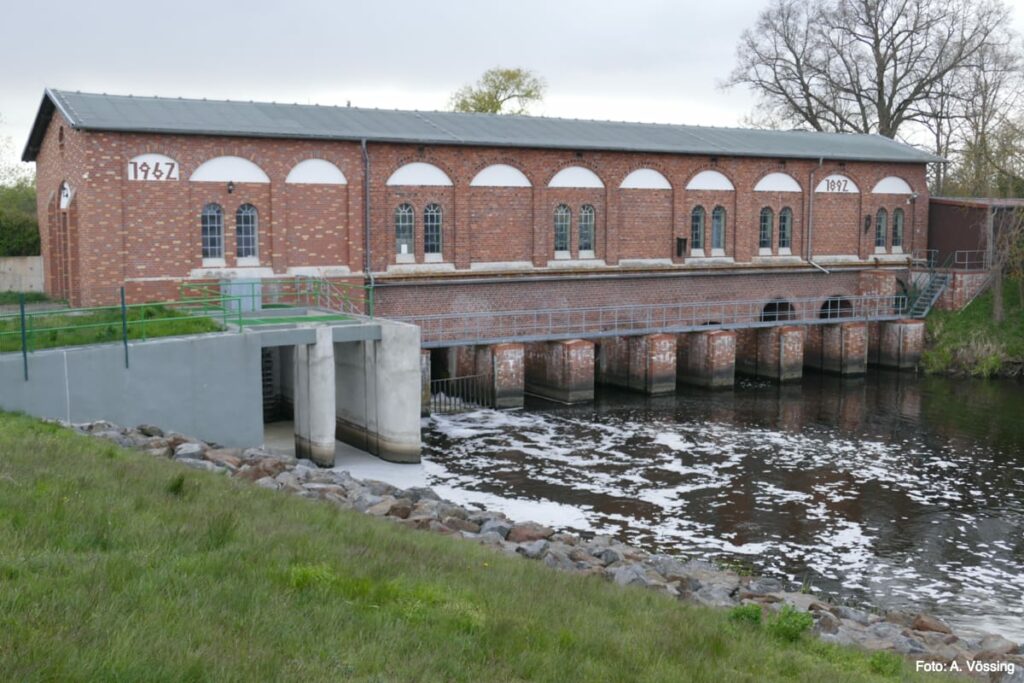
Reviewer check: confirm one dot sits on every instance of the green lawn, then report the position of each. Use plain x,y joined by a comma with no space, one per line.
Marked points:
117,566
968,342
72,328
12,298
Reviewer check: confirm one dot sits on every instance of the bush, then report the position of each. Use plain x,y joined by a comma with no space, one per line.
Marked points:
885,664
19,229
746,614
789,624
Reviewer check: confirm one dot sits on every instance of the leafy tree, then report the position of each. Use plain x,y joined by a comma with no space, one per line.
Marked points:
19,229
500,91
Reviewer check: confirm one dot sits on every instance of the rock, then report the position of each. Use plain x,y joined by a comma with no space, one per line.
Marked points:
460,524
557,558
497,526
528,531
164,452
714,595
115,437
907,646
491,538
418,493
855,615
226,457
401,508
149,430
802,602
202,465
190,450
996,645
380,488
533,549
608,556
926,622
628,575
765,584
381,508
825,622
901,617
261,468
567,539
268,483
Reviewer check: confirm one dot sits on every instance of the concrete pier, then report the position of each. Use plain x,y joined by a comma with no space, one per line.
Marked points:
901,344
502,368
561,371
424,382
645,363
707,359
314,399
841,349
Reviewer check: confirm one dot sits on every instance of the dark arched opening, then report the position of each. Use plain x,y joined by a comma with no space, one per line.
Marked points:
778,310
836,307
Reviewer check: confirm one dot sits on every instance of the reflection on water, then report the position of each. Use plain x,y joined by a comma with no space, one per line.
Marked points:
893,490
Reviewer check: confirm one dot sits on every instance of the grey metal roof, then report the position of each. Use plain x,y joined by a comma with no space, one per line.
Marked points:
91,111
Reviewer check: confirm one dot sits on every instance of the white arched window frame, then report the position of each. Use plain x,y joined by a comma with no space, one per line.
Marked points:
405,224
563,219
432,233
697,219
645,179
212,229
588,219
576,176
710,180
247,226
786,231
315,172
500,175
718,217
897,231
419,173
767,227
881,230
229,169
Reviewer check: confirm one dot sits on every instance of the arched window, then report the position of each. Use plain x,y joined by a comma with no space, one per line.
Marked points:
881,228
836,307
586,228
432,229
897,228
563,217
785,229
778,310
213,231
767,225
405,219
247,223
697,228
718,229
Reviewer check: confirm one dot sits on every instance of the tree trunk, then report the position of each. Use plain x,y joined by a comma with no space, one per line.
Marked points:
998,314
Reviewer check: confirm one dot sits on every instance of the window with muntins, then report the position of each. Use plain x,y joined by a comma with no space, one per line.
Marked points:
786,228
897,228
881,228
767,219
718,228
432,229
587,220
247,222
405,219
697,227
563,218
212,222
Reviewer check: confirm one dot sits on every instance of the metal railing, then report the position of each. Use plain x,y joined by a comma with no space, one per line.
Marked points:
971,259
460,394
452,329
301,291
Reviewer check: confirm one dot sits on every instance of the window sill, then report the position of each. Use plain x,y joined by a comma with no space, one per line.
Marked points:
696,253
405,258
717,252
897,250
248,262
214,263
433,258
577,263
880,250
421,268
562,255
785,251
764,251
586,253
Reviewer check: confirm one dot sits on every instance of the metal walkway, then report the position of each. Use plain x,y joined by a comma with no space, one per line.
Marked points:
495,327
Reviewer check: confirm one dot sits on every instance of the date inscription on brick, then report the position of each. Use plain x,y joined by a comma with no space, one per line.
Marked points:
152,167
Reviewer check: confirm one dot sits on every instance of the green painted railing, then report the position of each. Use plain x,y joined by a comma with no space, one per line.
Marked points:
331,294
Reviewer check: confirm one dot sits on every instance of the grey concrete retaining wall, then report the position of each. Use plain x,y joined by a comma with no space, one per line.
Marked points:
21,274
206,386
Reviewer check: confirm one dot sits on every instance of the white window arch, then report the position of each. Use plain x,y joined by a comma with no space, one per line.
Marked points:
892,185
837,183
576,176
315,172
710,180
224,169
645,179
500,175
420,173
777,182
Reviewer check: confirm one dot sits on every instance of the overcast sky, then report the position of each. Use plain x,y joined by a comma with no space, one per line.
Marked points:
641,60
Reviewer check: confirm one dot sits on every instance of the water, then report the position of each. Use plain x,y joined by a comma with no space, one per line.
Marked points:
892,490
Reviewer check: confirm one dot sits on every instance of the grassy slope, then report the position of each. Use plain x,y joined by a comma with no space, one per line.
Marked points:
100,326
113,568
968,342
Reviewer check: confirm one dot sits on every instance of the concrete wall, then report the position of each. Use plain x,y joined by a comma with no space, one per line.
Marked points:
206,386
21,274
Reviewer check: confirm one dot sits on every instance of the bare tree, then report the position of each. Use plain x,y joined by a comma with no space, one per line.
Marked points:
500,91
865,66
12,171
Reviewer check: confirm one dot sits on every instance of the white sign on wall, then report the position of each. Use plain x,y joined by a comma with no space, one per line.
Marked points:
65,195
155,167
837,183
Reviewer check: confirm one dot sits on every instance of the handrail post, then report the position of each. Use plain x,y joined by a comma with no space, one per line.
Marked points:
124,327
24,334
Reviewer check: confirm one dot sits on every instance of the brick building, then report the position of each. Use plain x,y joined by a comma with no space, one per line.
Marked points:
462,212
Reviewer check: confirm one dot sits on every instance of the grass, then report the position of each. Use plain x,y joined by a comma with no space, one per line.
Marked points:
13,298
118,566
96,326
967,342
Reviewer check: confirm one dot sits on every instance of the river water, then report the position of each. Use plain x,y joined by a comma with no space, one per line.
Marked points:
892,490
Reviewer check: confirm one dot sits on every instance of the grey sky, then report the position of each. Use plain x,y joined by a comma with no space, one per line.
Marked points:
639,61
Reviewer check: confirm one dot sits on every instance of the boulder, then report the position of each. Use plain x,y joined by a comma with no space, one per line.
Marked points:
825,622
996,645
382,508
149,430
765,584
460,524
852,614
226,457
190,450
202,465
497,526
418,493
926,622
529,531
608,556
164,452
268,483
533,549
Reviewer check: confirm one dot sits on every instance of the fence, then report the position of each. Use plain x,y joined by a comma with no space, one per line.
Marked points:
450,329
253,295
459,394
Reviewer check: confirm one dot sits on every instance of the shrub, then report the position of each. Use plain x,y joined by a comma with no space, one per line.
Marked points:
19,230
746,614
885,664
789,624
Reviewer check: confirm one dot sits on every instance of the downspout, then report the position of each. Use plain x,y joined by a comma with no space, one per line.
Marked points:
810,217
367,260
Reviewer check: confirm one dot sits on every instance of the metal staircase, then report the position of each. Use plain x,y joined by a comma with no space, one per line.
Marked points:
924,296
